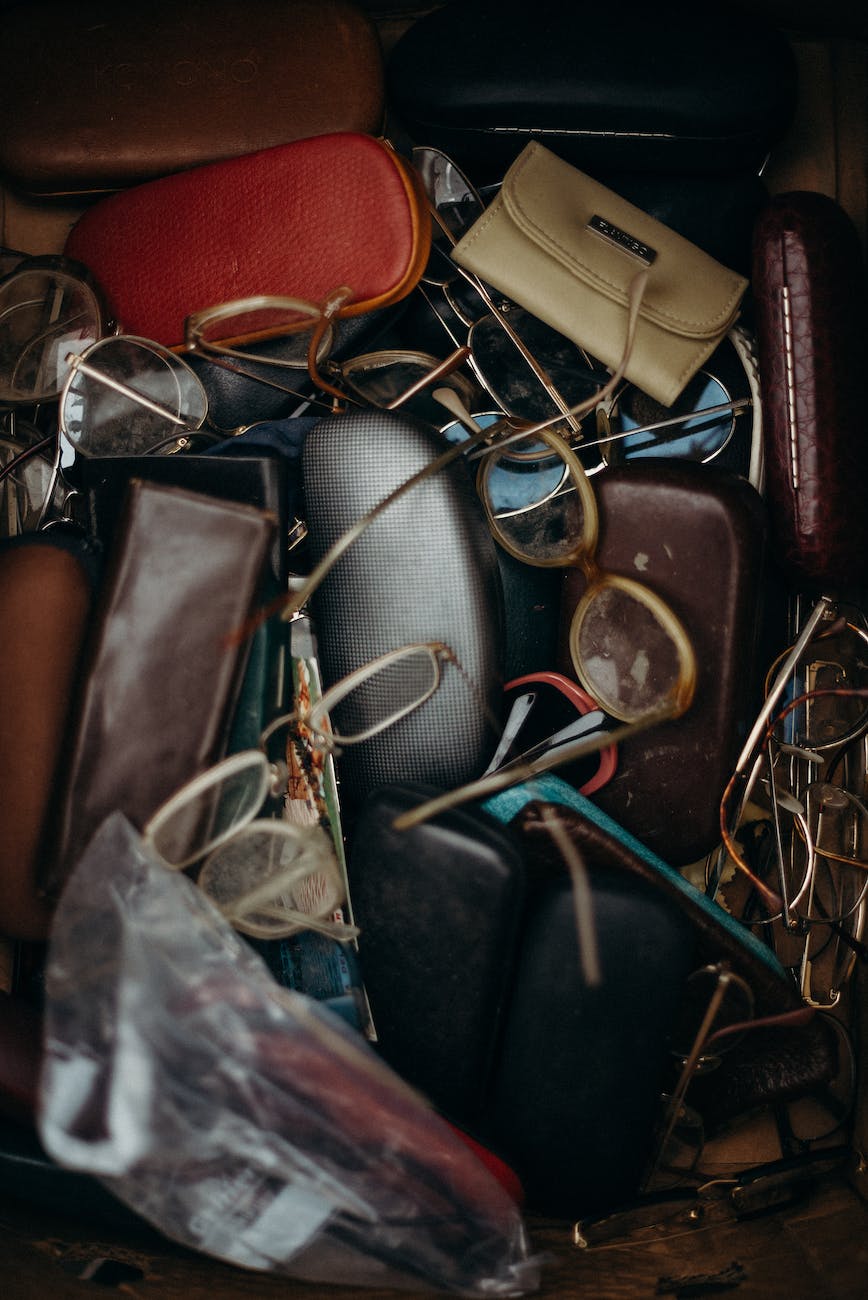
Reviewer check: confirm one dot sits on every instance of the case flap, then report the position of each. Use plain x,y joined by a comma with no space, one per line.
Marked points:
158,676
604,240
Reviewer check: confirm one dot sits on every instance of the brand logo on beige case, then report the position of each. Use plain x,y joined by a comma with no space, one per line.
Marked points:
622,239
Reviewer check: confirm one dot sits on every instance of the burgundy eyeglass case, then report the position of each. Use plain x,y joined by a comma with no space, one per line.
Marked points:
99,96
809,288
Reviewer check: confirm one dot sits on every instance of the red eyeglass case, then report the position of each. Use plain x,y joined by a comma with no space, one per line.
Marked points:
298,220
99,96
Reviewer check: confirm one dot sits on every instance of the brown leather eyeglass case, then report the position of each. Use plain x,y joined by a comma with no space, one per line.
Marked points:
160,671
98,96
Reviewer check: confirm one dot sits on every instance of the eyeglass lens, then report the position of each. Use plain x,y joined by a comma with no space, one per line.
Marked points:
107,405
23,490
391,690
272,880
628,649
190,824
44,314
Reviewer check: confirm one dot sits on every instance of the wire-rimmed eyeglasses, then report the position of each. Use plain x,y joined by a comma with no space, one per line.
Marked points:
270,876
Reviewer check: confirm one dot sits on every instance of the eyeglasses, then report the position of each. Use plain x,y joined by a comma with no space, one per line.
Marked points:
629,650
26,475
297,336
534,373
129,396
806,859
547,710
269,876
49,306
482,439
454,206
717,1008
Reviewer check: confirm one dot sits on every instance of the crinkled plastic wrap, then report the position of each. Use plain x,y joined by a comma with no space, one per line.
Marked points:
242,1119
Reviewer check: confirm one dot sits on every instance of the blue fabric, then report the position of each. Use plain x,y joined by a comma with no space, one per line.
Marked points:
553,789
276,438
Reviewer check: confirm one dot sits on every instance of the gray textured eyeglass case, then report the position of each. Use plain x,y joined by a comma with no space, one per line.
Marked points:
424,570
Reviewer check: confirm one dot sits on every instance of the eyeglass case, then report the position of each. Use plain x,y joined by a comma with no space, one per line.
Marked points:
424,570
774,1063
158,677
297,220
673,87
439,907
102,96
696,535
47,591
809,290
580,1068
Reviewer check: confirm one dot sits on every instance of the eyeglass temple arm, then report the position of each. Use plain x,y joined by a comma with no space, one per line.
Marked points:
585,725
486,786
673,1108
741,772
518,715
76,363
446,367
519,343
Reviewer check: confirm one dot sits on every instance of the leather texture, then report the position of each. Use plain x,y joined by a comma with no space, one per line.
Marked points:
536,242
695,535
46,600
809,287
298,220
158,680
252,480
672,88
132,92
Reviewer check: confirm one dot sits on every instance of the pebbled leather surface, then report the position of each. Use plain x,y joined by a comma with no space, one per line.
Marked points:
812,363
297,220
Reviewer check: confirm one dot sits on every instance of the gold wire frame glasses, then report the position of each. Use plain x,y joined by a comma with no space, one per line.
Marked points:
229,332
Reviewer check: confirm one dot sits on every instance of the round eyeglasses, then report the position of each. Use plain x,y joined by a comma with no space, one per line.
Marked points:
49,307
629,650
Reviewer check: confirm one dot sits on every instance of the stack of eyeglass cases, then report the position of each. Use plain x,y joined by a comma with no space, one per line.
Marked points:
433,555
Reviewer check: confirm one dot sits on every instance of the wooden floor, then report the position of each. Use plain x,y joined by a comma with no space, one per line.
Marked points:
818,1252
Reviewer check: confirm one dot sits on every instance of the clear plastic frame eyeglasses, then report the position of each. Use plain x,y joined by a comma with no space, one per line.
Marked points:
271,877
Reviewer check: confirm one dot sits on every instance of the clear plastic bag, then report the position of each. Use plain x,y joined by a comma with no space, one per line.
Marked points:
242,1119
